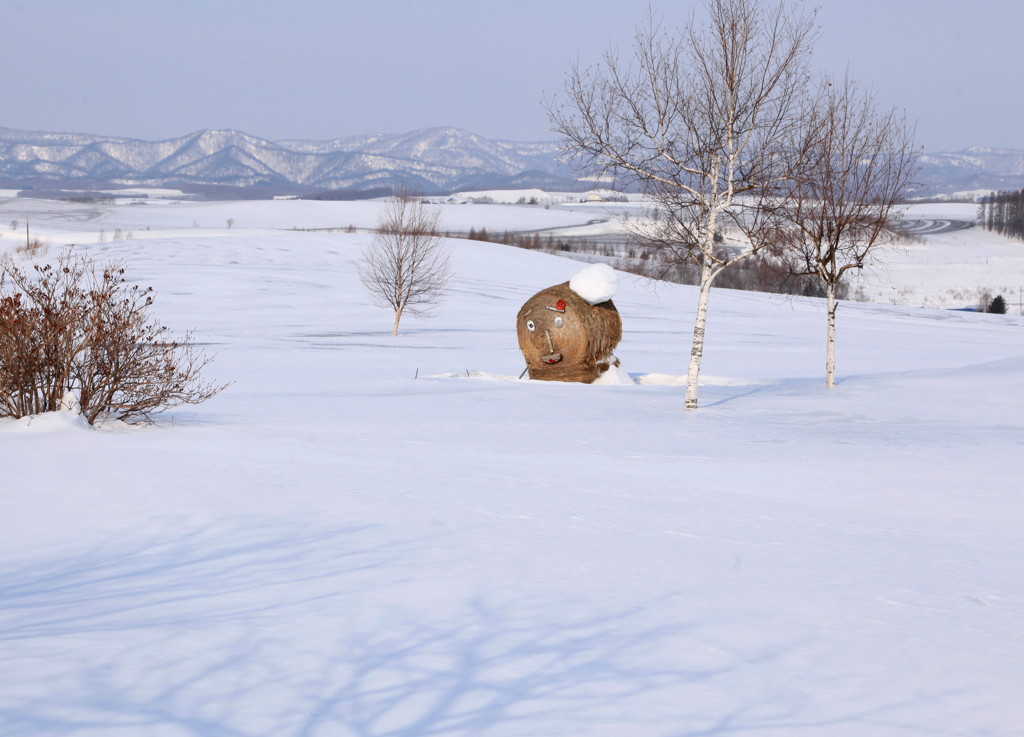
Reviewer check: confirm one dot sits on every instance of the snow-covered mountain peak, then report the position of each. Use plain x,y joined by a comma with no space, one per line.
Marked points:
443,159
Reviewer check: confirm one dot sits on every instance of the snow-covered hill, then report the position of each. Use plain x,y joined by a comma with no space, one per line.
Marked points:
434,159
971,170
377,536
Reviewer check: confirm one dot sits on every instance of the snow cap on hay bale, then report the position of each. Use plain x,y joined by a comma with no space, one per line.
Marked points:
568,332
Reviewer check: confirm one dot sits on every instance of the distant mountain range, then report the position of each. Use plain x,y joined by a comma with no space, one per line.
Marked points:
972,169
432,160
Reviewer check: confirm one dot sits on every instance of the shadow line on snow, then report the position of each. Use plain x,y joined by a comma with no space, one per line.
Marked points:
277,630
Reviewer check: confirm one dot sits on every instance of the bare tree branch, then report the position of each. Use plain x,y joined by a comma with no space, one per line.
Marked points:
857,166
700,120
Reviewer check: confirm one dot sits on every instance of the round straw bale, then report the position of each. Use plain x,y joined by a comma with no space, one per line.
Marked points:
565,338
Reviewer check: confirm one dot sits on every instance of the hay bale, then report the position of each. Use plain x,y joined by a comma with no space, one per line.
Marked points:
565,338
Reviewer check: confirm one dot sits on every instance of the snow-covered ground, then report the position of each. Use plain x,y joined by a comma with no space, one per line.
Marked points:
944,265
947,265
369,536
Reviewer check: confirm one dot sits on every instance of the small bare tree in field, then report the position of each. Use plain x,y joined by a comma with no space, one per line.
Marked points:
857,166
74,327
406,267
700,120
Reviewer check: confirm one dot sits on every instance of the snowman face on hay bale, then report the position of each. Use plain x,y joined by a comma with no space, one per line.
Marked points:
568,332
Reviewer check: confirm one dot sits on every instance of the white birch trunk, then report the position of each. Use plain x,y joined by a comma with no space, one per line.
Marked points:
830,350
398,318
697,349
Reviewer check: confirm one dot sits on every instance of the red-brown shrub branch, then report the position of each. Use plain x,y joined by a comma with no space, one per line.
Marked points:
72,327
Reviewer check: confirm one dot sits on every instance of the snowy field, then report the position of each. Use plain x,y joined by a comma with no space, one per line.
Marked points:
944,265
369,536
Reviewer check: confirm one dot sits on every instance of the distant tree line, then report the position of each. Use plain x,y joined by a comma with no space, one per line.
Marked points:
1003,213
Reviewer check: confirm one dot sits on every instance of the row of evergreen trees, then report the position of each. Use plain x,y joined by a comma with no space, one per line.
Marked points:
1003,212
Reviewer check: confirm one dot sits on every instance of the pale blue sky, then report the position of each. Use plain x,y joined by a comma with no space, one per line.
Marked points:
323,69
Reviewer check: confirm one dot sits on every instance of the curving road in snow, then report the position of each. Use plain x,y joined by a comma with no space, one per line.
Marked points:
934,226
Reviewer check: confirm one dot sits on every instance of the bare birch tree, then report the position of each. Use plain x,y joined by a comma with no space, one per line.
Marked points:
699,120
406,267
857,165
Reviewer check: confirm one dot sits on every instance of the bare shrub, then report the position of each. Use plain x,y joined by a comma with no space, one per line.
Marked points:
33,248
73,327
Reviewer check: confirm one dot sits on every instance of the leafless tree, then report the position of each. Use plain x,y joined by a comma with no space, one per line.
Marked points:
857,166
699,119
407,266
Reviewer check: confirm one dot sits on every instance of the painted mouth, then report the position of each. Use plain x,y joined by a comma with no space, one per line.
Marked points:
551,358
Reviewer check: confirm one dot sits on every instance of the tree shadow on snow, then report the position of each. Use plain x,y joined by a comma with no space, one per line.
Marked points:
717,396
200,574
273,631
